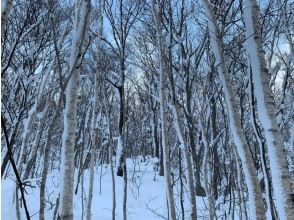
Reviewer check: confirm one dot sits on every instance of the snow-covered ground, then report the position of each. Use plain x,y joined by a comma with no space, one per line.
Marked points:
146,195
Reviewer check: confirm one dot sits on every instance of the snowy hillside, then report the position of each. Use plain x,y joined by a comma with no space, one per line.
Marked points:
146,195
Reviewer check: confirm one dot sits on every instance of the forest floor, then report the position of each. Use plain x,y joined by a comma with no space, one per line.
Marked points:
146,195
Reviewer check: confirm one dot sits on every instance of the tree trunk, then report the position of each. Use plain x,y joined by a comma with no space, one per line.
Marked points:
94,118
111,149
266,110
162,74
47,160
82,13
92,146
112,175
207,185
255,197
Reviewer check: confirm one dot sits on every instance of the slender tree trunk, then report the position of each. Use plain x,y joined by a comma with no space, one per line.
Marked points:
207,185
191,184
266,110
111,149
181,185
112,175
91,184
178,124
255,197
47,160
82,13
196,168
94,117
92,146
31,117
166,160
161,165
240,182
154,135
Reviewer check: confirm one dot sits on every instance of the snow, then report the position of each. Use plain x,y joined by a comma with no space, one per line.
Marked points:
146,197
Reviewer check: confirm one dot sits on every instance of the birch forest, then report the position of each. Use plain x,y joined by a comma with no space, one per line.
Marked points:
147,109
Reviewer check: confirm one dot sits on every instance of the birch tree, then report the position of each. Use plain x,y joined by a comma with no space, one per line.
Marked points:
255,197
95,114
267,110
157,16
82,14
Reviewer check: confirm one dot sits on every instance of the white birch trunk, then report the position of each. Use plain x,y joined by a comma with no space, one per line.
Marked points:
94,120
33,111
266,110
111,147
256,206
31,117
91,184
188,162
92,151
166,150
47,160
82,14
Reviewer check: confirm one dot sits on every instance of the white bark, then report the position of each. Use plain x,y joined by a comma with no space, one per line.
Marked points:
111,148
267,110
256,207
92,151
32,115
162,74
48,147
33,111
47,160
188,162
82,14
261,151
94,119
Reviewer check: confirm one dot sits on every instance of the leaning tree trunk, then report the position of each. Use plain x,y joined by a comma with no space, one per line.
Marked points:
256,206
82,13
187,158
32,115
48,147
266,110
178,125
